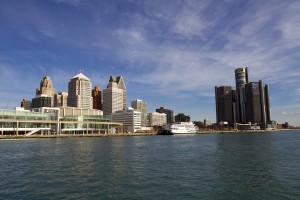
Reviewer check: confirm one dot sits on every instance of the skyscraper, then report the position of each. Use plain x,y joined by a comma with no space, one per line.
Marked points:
97,98
225,104
112,99
257,102
120,85
79,92
241,78
248,103
142,107
46,89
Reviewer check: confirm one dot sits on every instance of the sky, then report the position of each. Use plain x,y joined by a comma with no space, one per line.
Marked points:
171,53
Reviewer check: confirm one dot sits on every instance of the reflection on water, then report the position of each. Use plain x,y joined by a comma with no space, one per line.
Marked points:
216,166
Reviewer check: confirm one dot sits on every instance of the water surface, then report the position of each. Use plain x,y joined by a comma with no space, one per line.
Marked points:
210,166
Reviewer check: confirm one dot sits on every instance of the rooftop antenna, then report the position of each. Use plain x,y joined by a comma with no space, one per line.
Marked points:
46,72
81,71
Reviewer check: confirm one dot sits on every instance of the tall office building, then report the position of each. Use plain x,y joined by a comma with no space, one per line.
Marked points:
120,85
225,104
112,99
169,113
142,107
251,99
46,89
97,98
79,92
241,78
257,103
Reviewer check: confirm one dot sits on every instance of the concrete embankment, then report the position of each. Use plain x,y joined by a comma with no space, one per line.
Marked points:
73,135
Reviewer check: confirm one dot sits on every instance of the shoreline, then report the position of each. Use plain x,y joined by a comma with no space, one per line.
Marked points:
3,137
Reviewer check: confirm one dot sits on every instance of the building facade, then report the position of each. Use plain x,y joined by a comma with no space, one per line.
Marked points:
26,104
241,78
119,80
181,117
225,104
79,92
157,119
112,99
142,107
41,101
257,102
130,118
97,98
169,113
61,99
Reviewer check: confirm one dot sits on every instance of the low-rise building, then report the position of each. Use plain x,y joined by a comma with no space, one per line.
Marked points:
130,118
157,119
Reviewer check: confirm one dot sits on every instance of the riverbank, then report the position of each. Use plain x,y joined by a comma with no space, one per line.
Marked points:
132,134
73,135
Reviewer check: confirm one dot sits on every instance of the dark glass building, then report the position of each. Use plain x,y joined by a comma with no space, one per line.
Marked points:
41,101
180,117
169,113
248,103
241,78
257,103
225,104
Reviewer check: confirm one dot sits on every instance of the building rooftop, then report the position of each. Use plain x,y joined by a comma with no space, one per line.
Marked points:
81,76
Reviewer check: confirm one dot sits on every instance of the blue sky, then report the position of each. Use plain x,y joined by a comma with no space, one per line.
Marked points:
171,52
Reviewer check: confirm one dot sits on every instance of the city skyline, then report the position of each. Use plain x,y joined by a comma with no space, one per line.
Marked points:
170,54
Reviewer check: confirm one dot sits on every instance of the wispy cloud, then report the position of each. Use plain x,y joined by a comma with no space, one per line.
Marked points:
179,49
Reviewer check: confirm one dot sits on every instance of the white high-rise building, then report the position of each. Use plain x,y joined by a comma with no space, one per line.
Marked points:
130,118
112,99
141,106
79,92
121,85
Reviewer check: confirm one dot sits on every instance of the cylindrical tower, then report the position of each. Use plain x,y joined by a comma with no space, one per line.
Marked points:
241,78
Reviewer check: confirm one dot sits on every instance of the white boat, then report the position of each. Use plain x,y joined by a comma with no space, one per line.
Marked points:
180,128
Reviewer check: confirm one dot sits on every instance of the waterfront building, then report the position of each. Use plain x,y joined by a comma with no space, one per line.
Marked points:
241,78
61,99
72,111
225,104
79,92
157,119
47,89
181,117
21,121
257,103
169,113
249,104
141,106
50,121
97,98
130,118
120,85
41,100
112,99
